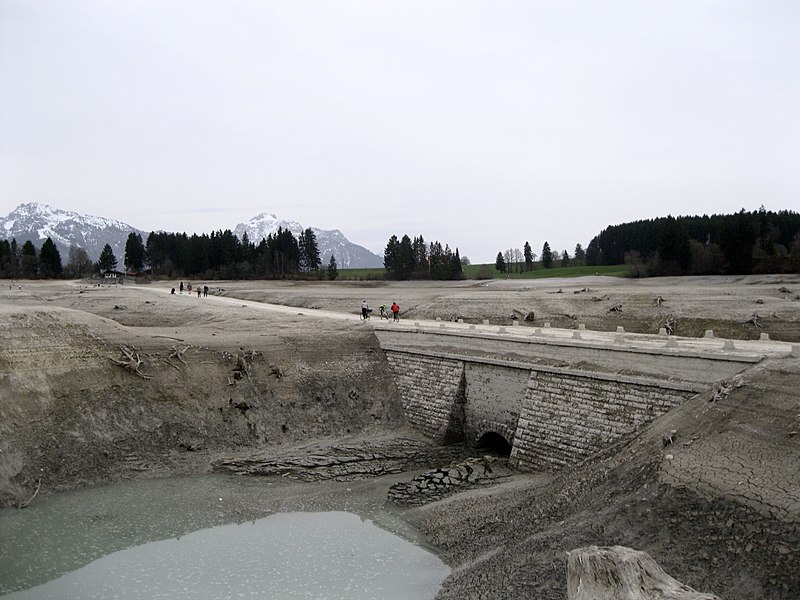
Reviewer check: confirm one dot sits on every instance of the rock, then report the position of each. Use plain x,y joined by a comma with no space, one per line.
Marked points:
617,572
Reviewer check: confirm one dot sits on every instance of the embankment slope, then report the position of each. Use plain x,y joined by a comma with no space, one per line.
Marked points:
210,381
718,506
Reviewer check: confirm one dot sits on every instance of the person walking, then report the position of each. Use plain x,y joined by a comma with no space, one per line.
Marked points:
395,311
364,311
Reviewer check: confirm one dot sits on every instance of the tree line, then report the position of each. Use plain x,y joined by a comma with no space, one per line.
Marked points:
760,241
515,260
26,262
220,254
405,258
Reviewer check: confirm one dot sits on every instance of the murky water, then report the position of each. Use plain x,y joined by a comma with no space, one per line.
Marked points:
215,537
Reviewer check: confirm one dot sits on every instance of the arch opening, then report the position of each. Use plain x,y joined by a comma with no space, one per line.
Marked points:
492,442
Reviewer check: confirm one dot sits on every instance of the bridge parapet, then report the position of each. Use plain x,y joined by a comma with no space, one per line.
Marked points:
555,398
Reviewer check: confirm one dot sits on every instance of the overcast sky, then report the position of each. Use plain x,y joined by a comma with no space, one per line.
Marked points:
479,124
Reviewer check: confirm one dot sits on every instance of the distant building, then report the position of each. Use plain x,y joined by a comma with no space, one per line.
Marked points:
112,276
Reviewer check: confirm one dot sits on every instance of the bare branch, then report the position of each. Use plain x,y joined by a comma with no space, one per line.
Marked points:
132,361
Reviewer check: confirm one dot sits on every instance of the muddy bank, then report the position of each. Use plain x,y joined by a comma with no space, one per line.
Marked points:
72,412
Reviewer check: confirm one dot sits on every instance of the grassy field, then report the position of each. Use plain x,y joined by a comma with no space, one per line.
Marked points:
489,272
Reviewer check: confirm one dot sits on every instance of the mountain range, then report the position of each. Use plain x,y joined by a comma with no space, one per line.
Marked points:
36,222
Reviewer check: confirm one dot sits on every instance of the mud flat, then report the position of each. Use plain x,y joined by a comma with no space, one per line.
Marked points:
100,384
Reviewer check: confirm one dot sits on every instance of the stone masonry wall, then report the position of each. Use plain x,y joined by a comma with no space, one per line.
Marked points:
428,389
494,398
565,417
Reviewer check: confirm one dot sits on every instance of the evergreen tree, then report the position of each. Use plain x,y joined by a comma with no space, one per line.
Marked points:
398,258
134,252
107,262
564,259
547,256
405,258
736,240
285,252
420,255
156,251
333,270
391,256
28,261
309,251
9,258
579,255
673,248
528,254
500,263
5,258
14,257
49,260
456,272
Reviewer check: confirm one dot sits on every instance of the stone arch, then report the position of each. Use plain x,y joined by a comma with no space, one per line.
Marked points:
494,443
496,437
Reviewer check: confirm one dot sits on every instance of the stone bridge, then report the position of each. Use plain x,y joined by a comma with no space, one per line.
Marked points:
551,397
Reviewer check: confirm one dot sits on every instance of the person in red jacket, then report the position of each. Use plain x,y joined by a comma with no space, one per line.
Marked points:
395,311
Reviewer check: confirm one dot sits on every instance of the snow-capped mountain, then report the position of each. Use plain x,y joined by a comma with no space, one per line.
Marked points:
36,222
330,242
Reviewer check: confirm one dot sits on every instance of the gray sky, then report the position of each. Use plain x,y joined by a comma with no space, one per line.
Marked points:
480,124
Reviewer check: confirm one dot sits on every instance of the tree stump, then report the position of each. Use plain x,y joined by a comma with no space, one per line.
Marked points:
620,573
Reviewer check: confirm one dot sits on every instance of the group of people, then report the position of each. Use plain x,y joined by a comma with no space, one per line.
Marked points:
394,309
201,291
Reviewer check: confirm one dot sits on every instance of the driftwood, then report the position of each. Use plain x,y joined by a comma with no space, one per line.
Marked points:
179,353
669,438
176,353
659,301
617,308
38,487
670,324
753,321
243,363
241,368
724,387
617,572
131,361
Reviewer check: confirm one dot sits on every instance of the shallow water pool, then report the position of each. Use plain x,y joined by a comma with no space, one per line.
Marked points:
215,537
